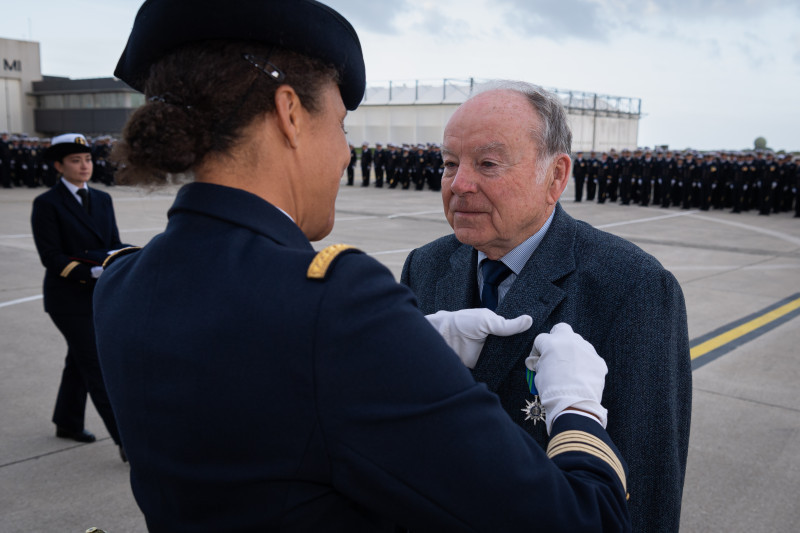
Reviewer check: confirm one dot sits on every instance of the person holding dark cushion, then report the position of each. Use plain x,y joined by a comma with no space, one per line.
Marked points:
74,229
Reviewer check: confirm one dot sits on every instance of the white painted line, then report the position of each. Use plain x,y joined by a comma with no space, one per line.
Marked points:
21,300
398,215
387,252
777,234
731,267
140,198
137,230
639,220
125,230
365,217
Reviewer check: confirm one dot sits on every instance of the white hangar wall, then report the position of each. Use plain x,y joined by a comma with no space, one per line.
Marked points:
398,124
591,133
416,112
19,68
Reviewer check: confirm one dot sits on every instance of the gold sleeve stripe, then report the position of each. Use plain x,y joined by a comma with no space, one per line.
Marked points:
119,253
69,268
322,261
580,437
579,441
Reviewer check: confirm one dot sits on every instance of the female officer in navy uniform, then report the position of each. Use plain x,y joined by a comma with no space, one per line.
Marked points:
74,228
262,386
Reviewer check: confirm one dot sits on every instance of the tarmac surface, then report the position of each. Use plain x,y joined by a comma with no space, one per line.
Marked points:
744,460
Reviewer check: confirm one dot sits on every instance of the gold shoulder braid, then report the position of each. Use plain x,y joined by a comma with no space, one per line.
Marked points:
119,253
318,268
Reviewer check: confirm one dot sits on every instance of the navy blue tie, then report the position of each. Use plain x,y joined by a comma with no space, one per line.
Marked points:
494,272
84,194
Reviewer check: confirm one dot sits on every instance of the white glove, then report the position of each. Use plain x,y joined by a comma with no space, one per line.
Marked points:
569,373
465,331
96,271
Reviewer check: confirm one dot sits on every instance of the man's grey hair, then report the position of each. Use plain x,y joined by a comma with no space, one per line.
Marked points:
554,137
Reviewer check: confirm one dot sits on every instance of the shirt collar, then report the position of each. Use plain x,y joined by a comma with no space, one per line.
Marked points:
74,189
516,258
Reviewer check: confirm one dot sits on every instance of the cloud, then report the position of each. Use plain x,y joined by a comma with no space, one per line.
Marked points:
583,19
718,9
378,17
795,48
598,20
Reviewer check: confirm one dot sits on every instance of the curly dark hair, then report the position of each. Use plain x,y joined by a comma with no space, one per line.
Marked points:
199,100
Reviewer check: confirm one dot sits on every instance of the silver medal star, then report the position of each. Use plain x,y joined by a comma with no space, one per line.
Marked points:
534,410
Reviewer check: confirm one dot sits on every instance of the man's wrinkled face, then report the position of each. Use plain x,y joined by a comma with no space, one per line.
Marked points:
492,197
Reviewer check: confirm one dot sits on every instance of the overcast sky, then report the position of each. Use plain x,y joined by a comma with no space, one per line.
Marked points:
711,74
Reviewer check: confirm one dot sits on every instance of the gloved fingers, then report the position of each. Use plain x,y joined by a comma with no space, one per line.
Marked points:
503,327
532,361
562,328
479,323
547,343
436,319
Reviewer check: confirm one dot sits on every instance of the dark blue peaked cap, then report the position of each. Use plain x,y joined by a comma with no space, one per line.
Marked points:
303,26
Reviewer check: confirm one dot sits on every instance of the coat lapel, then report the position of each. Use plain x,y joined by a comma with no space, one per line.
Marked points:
77,210
533,293
457,289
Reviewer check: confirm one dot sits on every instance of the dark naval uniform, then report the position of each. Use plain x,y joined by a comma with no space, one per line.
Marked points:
283,389
366,164
592,177
5,165
580,168
379,159
351,168
70,242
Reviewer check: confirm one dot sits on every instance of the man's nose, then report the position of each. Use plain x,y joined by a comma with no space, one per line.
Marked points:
465,180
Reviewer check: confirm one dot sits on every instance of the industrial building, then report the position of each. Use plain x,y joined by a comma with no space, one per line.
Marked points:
44,106
397,112
416,112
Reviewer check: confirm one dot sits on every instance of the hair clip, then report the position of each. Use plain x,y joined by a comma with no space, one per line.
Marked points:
263,64
169,99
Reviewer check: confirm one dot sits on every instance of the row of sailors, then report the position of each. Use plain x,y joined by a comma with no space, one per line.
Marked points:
737,180
22,162
740,181
401,166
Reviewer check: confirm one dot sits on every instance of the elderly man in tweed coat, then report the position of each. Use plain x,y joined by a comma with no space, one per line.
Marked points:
506,164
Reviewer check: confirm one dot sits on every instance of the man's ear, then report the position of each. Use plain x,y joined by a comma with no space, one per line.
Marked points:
288,111
560,166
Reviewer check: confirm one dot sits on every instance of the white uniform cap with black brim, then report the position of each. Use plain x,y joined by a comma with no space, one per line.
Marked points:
66,144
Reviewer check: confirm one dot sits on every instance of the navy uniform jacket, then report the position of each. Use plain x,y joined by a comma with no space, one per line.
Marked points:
260,386
622,301
70,243
366,158
580,168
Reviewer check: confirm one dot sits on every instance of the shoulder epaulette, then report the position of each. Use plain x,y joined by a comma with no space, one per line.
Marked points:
319,267
580,441
120,253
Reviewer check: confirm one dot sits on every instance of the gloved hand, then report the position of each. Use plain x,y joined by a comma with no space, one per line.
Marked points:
569,373
96,271
465,331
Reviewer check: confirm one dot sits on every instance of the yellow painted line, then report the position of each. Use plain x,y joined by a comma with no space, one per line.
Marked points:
744,329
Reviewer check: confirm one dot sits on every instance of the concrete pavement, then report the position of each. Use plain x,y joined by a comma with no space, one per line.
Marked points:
744,460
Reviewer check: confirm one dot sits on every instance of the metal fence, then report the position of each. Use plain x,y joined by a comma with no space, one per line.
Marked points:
455,91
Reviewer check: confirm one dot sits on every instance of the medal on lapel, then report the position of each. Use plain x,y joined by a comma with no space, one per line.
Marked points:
534,410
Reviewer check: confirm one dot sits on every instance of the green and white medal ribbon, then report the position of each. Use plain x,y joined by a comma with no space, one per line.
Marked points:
534,410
